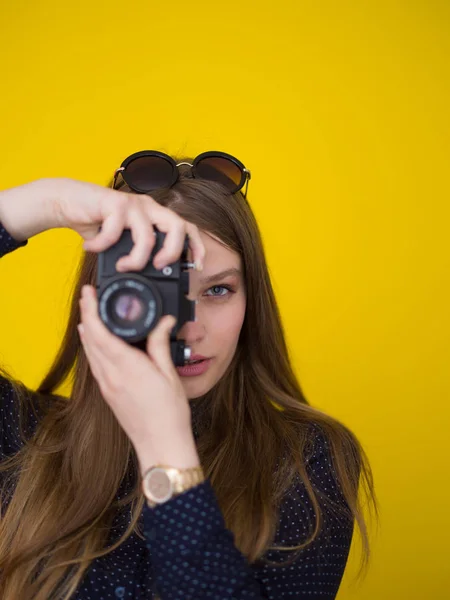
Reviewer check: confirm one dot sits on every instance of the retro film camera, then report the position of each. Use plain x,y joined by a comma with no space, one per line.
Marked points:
131,303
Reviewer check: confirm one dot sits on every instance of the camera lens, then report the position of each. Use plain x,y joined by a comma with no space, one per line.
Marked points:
128,307
131,309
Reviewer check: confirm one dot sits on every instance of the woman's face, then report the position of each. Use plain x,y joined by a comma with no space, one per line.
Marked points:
219,314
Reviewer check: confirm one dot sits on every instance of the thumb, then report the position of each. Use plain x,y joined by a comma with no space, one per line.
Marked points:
158,345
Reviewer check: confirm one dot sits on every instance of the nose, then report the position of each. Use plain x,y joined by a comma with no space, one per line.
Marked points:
192,332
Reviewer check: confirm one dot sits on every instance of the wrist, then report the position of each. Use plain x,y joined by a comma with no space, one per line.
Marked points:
179,451
29,209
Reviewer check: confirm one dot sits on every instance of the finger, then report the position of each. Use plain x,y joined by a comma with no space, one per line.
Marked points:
107,354
111,229
173,243
196,245
92,357
143,236
158,345
127,214
101,341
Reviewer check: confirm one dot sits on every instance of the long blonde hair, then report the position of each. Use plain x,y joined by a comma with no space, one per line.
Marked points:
66,476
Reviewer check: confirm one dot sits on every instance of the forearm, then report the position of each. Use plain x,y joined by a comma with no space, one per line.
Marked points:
29,209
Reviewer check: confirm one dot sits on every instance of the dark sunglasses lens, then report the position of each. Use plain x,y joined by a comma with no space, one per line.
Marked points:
222,170
149,173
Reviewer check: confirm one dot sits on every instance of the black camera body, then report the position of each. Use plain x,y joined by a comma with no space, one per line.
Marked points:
131,303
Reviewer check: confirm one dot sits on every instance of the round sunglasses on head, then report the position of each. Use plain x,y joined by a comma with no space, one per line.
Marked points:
149,170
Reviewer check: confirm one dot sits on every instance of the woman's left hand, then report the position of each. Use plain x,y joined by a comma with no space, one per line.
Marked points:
143,389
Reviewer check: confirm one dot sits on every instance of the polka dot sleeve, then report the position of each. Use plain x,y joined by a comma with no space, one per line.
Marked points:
9,432
8,243
194,555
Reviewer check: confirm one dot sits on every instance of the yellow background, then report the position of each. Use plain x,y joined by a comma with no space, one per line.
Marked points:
341,111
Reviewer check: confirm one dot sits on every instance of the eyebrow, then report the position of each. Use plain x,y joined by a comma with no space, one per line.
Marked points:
220,275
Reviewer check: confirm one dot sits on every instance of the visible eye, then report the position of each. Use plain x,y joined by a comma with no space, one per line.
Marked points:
221,287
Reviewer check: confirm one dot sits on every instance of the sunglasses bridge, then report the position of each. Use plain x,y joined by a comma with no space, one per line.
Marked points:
177,165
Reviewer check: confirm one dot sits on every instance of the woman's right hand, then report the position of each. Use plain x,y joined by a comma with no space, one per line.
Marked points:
82,206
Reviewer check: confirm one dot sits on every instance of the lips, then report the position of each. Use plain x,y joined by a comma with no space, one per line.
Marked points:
195,369
196,358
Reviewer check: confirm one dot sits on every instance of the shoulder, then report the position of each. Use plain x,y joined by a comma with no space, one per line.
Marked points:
320,467
320,461
333,463
318,452
326,470
320,563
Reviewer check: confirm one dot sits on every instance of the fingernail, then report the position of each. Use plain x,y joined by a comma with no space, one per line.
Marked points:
199,265
80,328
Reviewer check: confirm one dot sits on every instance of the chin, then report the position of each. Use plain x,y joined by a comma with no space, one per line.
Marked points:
193,391
196,389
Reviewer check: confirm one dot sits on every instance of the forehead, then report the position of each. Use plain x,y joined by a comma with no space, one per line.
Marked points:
218,256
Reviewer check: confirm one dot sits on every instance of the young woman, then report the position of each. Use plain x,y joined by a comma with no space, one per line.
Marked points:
154,480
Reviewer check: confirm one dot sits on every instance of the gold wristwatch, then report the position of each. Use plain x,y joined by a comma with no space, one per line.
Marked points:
163,482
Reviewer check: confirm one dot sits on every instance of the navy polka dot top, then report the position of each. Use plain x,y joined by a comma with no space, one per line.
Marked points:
189,554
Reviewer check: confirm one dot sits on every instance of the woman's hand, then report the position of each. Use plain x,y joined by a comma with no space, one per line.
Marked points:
84,206
44,204
143,389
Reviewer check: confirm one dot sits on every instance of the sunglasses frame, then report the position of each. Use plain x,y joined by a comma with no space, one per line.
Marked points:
245,173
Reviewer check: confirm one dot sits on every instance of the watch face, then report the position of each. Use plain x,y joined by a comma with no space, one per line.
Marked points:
158,485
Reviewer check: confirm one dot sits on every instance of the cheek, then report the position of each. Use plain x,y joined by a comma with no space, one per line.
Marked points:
225,325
